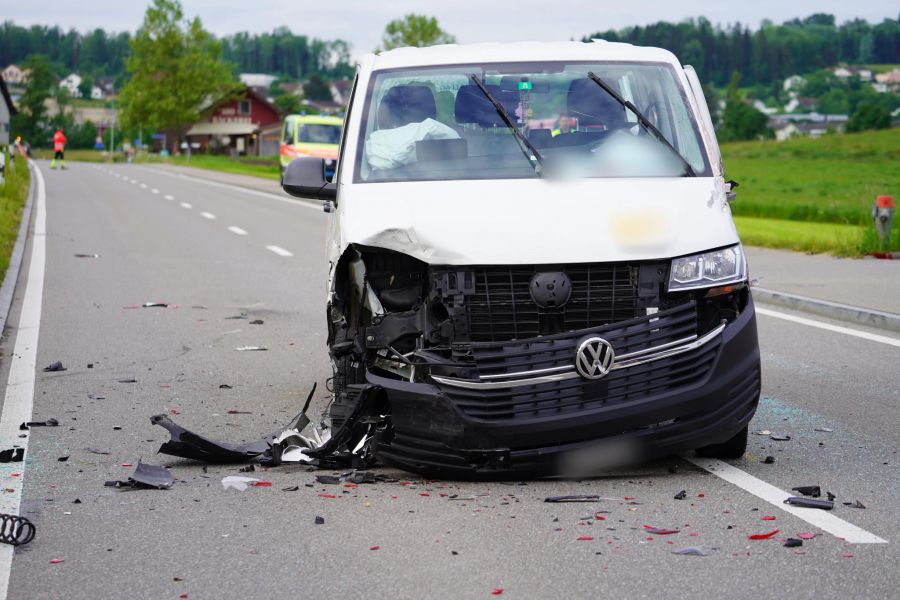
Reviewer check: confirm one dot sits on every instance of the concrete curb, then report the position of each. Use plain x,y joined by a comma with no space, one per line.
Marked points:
8,289
833,310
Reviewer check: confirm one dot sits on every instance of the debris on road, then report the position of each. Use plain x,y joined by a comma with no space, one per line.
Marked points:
224,386
807,535
154,305
186,444
293,488
238,482
16,530
12,455
57,561
660,530
792,543
256,322
681,495
251,349
809,502
573,498
855,504
63,458
87,256
152,477
762,432
239,412
763,536
808,490
780,437
55,366
690,551
824,429
768,460
320,520
47,423
130,380
95,451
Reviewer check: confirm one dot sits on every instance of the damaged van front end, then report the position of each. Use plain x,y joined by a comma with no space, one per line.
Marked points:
519,302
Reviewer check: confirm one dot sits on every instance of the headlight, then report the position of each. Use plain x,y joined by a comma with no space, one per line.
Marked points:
719,267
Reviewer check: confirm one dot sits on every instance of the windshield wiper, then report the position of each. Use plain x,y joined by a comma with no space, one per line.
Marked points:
535,158
642,120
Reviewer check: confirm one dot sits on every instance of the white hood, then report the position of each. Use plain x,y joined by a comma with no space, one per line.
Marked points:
537,221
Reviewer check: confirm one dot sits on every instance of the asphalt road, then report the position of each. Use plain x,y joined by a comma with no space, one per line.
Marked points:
214,252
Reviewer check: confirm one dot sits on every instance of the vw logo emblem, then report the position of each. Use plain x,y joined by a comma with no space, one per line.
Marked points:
594,358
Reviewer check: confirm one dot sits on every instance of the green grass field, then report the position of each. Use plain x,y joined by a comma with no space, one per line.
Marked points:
13,193
263,166
832,179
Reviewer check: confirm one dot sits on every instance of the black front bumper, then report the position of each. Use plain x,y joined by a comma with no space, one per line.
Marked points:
710,395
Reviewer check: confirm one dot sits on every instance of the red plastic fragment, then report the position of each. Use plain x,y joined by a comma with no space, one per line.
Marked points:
806,535
183,596
327,496
660,530
701,495
763,536
424,494
375,548
351,485
174,411
497,591
127,465
847,555
768,518
584,538
56,561
263,484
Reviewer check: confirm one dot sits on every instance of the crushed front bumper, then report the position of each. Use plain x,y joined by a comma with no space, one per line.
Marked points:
702,395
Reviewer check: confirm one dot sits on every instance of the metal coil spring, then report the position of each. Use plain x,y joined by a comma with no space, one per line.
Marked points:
16,530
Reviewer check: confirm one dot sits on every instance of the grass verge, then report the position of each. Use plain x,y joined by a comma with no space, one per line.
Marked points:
13,194
832,238
264,166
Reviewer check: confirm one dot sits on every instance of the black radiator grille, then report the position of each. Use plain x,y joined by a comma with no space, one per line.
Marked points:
574,395
501,307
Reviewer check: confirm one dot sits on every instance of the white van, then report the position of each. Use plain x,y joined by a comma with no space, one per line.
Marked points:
533,262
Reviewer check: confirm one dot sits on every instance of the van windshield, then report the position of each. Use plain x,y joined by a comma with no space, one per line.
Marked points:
437,124
318,134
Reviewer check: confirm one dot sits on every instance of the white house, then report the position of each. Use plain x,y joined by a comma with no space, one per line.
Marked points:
13,75
793,83
842,72
761,107
71,83
96,93
6,111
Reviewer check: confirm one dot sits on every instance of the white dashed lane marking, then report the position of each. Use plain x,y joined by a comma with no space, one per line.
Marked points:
237,230
169,197
154,191
186,205
143,186
207,215
278,250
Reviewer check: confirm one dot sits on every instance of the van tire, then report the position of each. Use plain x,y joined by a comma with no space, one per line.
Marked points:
732,448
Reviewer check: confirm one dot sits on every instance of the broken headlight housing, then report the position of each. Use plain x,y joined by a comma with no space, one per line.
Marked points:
709,269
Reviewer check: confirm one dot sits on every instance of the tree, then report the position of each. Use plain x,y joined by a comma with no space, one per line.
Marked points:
740,121
86,86
175,71
317,89
869,116
414,30
286,103
31,120
834,101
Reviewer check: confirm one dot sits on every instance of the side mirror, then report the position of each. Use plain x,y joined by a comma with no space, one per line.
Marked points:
305,177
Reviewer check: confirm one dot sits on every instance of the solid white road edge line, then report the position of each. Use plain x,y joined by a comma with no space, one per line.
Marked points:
237,230
17,404
278,250
873,337
824,520
208,215
313,204
186,205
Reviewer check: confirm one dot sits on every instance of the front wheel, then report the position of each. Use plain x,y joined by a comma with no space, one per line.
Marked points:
732,448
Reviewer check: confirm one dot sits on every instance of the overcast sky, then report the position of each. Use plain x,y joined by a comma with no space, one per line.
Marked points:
361,22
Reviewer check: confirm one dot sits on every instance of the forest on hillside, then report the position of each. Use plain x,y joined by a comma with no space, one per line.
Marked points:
762,56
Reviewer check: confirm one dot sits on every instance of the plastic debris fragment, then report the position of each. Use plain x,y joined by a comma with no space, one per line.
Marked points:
763,536
572,498
154,305
56,561
780,437
251,349
660,530
807,535
690,551
146,477
768,460
87,256
54,366
47,423
238,482
584,538
320,520
824,429
855,504
792,543
762,432
808,490
292,488
256,322
12,455
495,591
681,495
809,502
